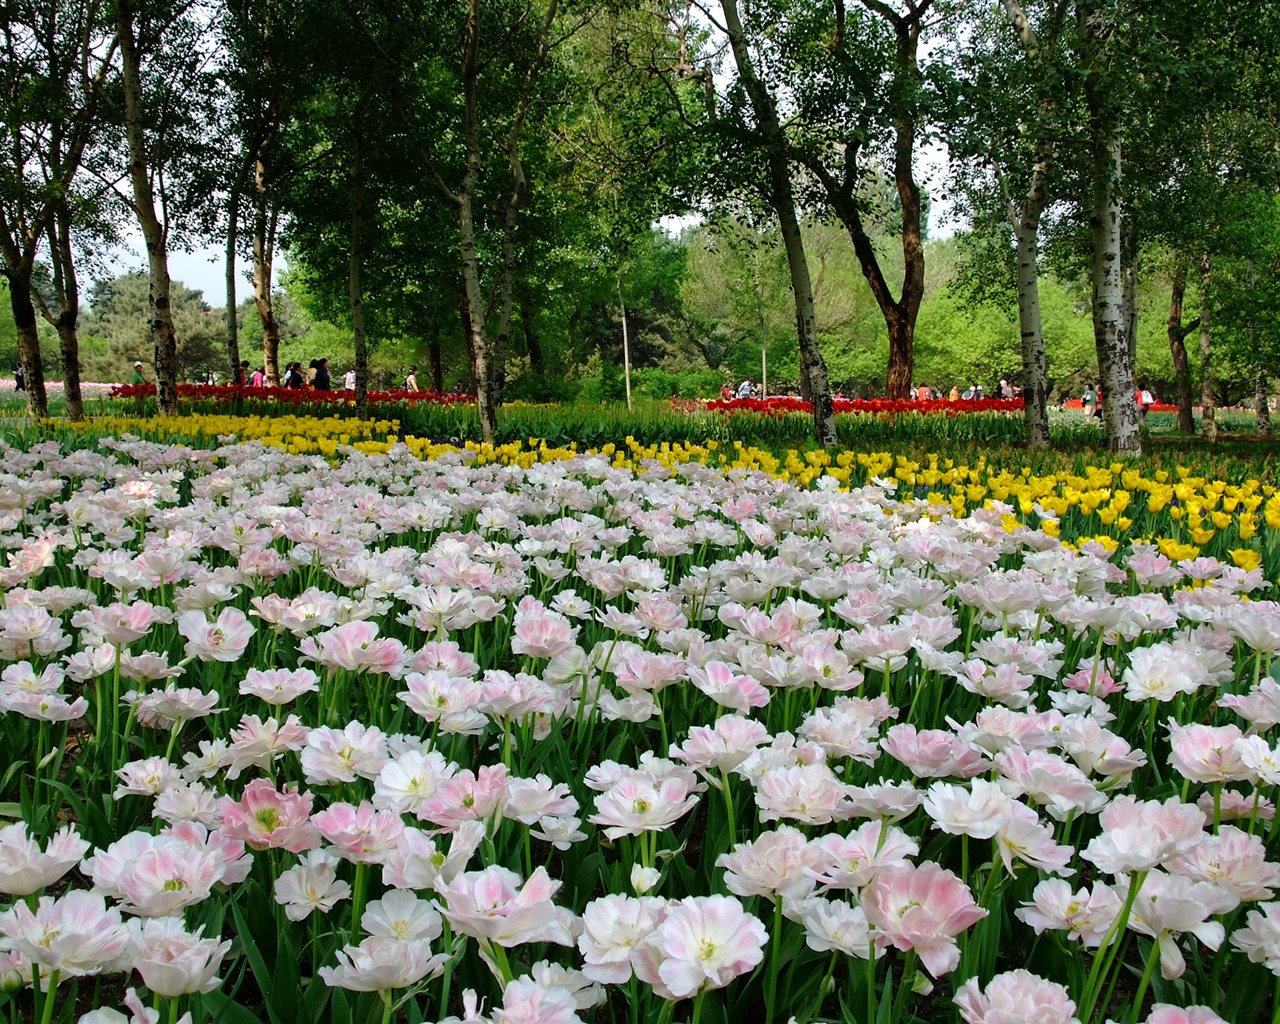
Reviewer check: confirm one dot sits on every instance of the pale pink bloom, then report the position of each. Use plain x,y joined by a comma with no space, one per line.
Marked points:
648,671
644,879
1023,837
360,834
1234,861
702,943
996,728
978,811
1061,788
1206,753
1260,706
75,934
224,639
1259,759
380,965
91,662
1168,905
879,648
612,926
1138,836
437,696
258,744
888,801
162,709
147,777
400,914
265,818
1236,806
808,793
22,678
527,800
120,624
585,992
1085,915
773,865
343,755
842,732
851,861
1002,683
1256,623
163,878
832,924
209,758
932,753
1015,997
727,688
782,752
638,803
526,1001
466,796
722,746
540,633
45,707
173,962
1097,751
1161,672
1167,1013
419,859
408,780
493,907
25,868
503,695
1259,940
311,885
147,667
355,647
921,908
1100,683
279,686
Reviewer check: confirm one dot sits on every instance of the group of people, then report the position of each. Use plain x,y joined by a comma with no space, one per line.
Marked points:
316,376
973,393
1091,400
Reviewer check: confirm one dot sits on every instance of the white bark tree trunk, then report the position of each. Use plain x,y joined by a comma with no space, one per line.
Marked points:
1208,381
1035,368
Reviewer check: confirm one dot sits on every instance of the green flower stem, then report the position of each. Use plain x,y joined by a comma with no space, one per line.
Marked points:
1097,973
775,952
49,999
1152,959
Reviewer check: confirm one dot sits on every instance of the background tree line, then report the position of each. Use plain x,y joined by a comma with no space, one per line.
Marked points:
475,185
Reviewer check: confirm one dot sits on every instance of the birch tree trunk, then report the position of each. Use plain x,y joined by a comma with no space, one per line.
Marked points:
67,292
164,341
1115,365
1035,368
626,345
264,243
1208,383
233,324
1178,350
783,202
355,292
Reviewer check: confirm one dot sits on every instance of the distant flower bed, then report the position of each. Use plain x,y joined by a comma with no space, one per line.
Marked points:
1076,403
228,393
86,386
782,404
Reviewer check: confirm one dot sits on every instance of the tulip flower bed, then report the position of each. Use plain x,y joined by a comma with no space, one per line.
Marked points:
782,404
641,734
245,398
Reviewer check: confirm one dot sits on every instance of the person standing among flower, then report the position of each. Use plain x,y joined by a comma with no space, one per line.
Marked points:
322,380
259,378
1090,400
19,379
411,380
242,374
744,389
349,380
138,376
955,393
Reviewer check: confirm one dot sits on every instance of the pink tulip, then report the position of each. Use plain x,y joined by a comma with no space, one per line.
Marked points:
921,908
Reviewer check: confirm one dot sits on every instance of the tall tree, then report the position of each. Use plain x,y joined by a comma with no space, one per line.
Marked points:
56,61
771,140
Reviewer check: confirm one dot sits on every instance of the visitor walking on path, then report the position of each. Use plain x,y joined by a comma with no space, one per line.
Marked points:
411,381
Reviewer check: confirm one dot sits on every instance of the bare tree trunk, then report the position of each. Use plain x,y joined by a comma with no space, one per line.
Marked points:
1129,257
233,325
1035,369
1262,401
1115,366
783,201
67,292
24,317
1208,383
1178,350
264,230
355,293
164,341
626,344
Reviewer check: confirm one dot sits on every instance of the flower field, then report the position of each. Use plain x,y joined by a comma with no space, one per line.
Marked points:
310,720
781,404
